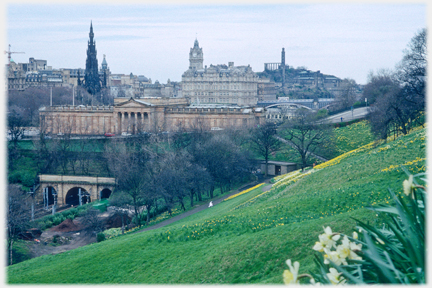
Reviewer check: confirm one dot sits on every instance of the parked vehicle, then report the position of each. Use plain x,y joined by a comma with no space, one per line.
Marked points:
109,134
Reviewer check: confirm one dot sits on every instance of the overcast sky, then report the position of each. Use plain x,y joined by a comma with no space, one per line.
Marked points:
344,40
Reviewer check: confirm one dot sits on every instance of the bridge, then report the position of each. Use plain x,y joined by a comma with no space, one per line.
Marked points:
310,103
73,190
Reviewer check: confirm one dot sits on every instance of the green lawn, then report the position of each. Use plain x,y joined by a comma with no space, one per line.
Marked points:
248,238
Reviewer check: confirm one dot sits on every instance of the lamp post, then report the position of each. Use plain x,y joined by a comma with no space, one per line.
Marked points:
55,203
366,101
31,192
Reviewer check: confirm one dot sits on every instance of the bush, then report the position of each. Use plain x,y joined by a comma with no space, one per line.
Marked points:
14,177
27,179
100,237
20,252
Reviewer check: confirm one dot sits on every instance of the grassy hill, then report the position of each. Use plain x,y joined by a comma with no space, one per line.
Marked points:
248,238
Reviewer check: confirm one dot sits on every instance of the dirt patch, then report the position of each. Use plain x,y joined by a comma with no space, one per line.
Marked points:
68,235
68,225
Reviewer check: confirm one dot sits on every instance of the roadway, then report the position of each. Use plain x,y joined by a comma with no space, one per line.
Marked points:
346,116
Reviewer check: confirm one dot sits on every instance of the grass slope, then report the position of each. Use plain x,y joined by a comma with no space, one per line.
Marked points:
248,238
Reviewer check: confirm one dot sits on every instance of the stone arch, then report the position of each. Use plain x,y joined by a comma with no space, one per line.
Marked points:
105,193
72,196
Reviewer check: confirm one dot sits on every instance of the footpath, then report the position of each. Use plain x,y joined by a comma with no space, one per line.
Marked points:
215,201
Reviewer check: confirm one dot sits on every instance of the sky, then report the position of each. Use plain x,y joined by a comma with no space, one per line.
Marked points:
344,40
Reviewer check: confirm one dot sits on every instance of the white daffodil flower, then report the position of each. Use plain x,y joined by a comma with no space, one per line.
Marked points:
346,250
318,247
408,185
334,277
291,276
327,240
333,256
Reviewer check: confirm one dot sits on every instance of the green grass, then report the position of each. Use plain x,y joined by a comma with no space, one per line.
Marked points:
246,239
344,139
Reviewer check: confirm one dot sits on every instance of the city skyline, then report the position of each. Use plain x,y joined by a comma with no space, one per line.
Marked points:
344,40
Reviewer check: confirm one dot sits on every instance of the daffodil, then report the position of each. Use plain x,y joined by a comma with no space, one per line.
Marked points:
291,276
334,277
408,185
346,250
326,240
333,256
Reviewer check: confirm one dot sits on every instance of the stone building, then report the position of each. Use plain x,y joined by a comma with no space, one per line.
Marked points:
266,89
218,84
147,114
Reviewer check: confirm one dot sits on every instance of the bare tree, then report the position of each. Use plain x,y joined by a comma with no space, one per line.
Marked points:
400,97
346,96
92,220
305,134
264,142
18,216
412,69
134,172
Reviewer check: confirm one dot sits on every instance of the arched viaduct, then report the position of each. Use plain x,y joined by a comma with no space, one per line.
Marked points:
68,189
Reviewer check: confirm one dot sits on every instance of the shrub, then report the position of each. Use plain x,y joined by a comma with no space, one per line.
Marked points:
100,237
20,252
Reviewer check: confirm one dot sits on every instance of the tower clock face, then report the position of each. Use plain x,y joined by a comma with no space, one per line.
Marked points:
194,54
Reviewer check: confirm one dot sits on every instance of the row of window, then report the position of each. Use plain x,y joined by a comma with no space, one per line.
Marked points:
217,87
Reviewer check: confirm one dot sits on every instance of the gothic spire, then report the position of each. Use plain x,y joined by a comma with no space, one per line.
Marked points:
91,78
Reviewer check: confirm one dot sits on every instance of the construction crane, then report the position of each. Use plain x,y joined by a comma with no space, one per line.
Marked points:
9,54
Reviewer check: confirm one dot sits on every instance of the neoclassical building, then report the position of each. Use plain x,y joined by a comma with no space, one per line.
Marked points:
218,84
155,114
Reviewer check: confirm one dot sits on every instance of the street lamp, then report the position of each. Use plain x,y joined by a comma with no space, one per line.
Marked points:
55,202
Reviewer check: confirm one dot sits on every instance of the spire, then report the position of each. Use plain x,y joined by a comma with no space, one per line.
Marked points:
196,44
91,32
91,77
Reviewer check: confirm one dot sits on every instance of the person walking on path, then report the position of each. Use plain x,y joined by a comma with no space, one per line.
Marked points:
211,204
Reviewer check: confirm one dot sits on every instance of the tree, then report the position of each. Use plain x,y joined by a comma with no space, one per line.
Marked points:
305,134
16,132
120,201
18,216
134,172
172,180
411,74
378,85
346,95
226,162
400,97
198,180
92,220
386,114
264,142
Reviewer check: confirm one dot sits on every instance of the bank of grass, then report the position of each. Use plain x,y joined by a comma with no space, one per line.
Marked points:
248,238
344,139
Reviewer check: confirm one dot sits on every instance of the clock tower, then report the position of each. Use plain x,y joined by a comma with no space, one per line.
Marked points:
196,58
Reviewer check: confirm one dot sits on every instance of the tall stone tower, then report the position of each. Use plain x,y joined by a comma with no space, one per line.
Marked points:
91,77
283,67
196,57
